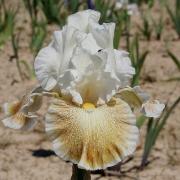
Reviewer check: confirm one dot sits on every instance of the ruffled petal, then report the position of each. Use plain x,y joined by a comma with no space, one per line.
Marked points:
64,42
46,66
11,108
93,139
123,66
20,114
67,79
80,20
152,108
104,34
87,43
20,121
53,60
95,86
81,60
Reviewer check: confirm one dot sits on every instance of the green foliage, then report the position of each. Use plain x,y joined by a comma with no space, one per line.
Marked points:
140,121
27,73
73,5
106,8
174,59
15,46
137,59
38,36
154,127
51,9
175,16
7,21
38,25
150,3
32,7
123,22
158,27
146,28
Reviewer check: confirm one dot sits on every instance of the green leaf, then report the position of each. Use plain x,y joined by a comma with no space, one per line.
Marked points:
39,34
140,121
175,59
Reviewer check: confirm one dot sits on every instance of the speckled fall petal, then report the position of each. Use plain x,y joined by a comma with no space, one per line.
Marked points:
92,138
20,114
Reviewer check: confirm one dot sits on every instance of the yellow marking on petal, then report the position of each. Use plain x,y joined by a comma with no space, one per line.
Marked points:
12,108
93,140
19,114
88,106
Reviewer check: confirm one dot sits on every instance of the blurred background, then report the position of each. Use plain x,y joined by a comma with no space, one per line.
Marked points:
148,29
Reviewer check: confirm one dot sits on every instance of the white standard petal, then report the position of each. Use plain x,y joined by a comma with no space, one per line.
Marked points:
66,80
152,109
124,69
80,20
46,67
87,42
81,60
118,63
96,86
104,34
64,42
94,81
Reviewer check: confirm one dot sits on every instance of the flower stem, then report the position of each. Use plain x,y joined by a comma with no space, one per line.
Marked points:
80,174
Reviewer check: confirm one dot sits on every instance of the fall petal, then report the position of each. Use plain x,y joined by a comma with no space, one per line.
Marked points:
93,139
19,114
19,121
32,101
11,108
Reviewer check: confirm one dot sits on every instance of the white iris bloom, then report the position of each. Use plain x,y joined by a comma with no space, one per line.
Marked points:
80,60
90,121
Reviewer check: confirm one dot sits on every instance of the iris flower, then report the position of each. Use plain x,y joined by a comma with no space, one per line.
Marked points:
90,120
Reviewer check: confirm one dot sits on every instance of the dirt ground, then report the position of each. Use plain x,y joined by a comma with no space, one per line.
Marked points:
19,151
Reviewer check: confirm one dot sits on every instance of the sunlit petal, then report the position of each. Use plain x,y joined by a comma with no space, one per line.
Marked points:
93,139
124,69
80,20
64,42
104,34
87,42
20,121
46,66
